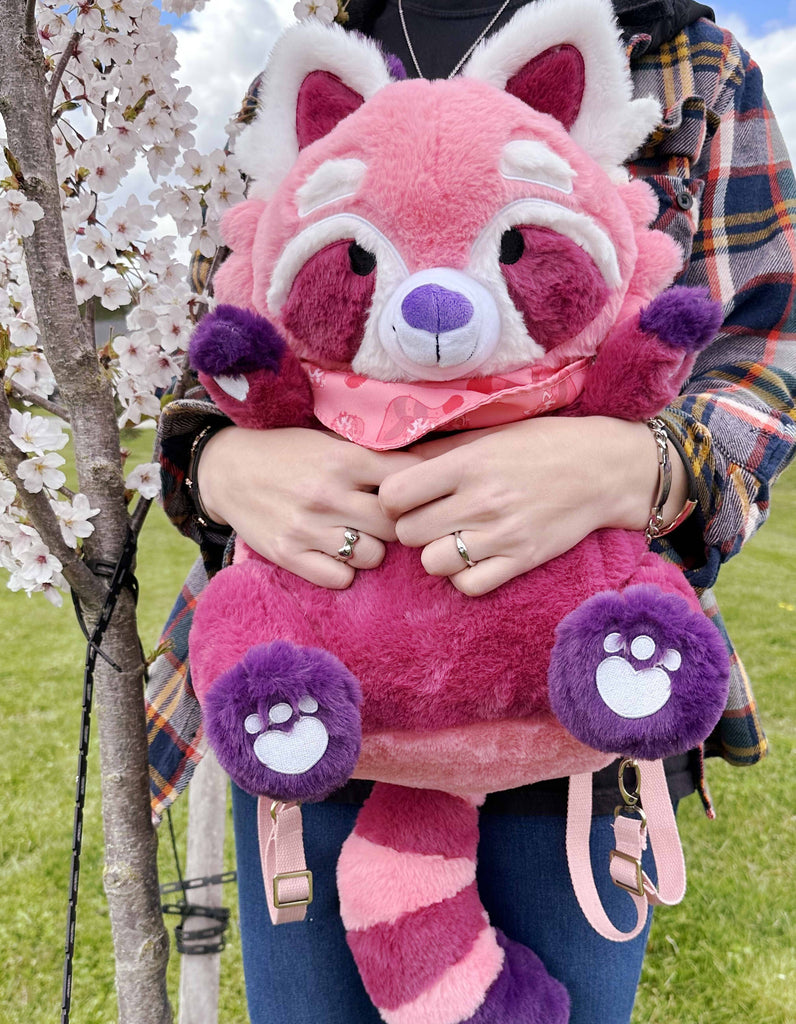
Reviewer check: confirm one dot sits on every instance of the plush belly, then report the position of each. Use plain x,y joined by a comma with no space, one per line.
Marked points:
428,657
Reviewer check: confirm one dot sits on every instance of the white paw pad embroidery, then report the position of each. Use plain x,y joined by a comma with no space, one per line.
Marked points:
293,751
630,692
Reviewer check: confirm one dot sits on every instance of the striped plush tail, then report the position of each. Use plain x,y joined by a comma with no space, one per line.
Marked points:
419,934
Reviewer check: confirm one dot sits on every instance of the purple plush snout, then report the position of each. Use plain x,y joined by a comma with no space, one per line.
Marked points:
435,309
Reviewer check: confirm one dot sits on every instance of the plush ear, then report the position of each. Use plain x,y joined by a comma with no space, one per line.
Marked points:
565,58
552,82
316,75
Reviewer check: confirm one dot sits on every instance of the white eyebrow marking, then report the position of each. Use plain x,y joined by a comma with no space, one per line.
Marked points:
334,179
530,160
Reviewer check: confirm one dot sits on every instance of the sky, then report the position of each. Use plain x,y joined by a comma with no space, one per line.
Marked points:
246,29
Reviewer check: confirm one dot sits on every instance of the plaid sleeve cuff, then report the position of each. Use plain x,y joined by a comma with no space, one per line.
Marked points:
180,423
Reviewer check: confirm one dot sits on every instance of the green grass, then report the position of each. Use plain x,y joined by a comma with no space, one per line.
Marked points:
726,955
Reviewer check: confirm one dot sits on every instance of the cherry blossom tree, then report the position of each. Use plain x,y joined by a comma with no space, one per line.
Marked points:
89,97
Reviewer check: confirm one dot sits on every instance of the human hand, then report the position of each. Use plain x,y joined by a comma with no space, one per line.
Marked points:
524,493
291,493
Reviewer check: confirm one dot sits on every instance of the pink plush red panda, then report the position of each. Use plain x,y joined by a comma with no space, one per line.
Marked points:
418,256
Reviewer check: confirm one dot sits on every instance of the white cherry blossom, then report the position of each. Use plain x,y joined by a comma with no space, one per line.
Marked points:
18,213
42,471
74,518
145,479
88,280
323,10
133,351
96,245
36,434
114,293
8,492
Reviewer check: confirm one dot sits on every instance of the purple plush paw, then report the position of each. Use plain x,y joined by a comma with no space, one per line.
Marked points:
685,318
638,673
230,342
284,722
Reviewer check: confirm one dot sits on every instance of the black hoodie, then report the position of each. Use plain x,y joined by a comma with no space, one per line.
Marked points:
659,19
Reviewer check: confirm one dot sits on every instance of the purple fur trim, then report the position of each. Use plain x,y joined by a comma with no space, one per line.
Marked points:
280,673
231,340
395,66
636,649
523,991
685,318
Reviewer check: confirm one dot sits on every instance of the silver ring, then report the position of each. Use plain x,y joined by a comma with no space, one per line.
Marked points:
461,547
347,550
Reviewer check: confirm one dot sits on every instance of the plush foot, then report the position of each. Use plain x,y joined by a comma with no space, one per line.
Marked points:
638,673
523,992
284,722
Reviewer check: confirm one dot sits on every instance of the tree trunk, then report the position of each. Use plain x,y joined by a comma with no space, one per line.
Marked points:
139,937
207,805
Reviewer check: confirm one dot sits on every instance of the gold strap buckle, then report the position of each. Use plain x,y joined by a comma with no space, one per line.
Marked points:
279,904
638,889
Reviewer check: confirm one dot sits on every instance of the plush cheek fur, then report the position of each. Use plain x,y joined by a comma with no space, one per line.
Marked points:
327,307
555,285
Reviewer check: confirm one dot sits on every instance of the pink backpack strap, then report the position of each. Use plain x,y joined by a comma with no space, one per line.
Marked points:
288,883
631,825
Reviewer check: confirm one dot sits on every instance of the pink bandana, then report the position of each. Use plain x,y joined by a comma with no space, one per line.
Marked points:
381,415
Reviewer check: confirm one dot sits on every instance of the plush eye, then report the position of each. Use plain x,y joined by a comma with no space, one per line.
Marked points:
362,262
327,307
512,246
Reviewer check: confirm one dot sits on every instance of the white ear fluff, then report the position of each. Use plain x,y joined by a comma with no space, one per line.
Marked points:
610,125
268,147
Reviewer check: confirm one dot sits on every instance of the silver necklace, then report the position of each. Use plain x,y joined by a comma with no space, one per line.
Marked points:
458,67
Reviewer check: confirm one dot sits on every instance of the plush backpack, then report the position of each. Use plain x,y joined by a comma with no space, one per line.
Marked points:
419,256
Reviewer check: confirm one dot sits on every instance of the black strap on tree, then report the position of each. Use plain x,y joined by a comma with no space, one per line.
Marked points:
197,941
121,576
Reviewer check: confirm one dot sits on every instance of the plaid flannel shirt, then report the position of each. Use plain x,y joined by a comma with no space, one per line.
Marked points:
727,194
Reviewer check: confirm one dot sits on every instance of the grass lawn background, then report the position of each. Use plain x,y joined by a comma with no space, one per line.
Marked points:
726,955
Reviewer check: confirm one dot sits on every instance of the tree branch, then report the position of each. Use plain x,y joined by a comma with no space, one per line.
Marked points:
139,515
58,74
43,403
30,19
87,587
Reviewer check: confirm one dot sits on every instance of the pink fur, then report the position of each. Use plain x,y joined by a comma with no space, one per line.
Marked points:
436,186
327,308
440,116
459,992
557,287
400,960
234,281
466,759
451,829
378,884
633,370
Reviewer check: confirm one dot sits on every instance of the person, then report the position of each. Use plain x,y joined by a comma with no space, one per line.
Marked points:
521,495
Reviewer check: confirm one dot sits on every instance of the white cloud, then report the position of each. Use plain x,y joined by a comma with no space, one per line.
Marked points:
219,55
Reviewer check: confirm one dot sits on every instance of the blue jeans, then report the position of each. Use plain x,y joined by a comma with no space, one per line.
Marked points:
304,973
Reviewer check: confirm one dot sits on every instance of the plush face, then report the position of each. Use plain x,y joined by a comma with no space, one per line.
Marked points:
448,229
